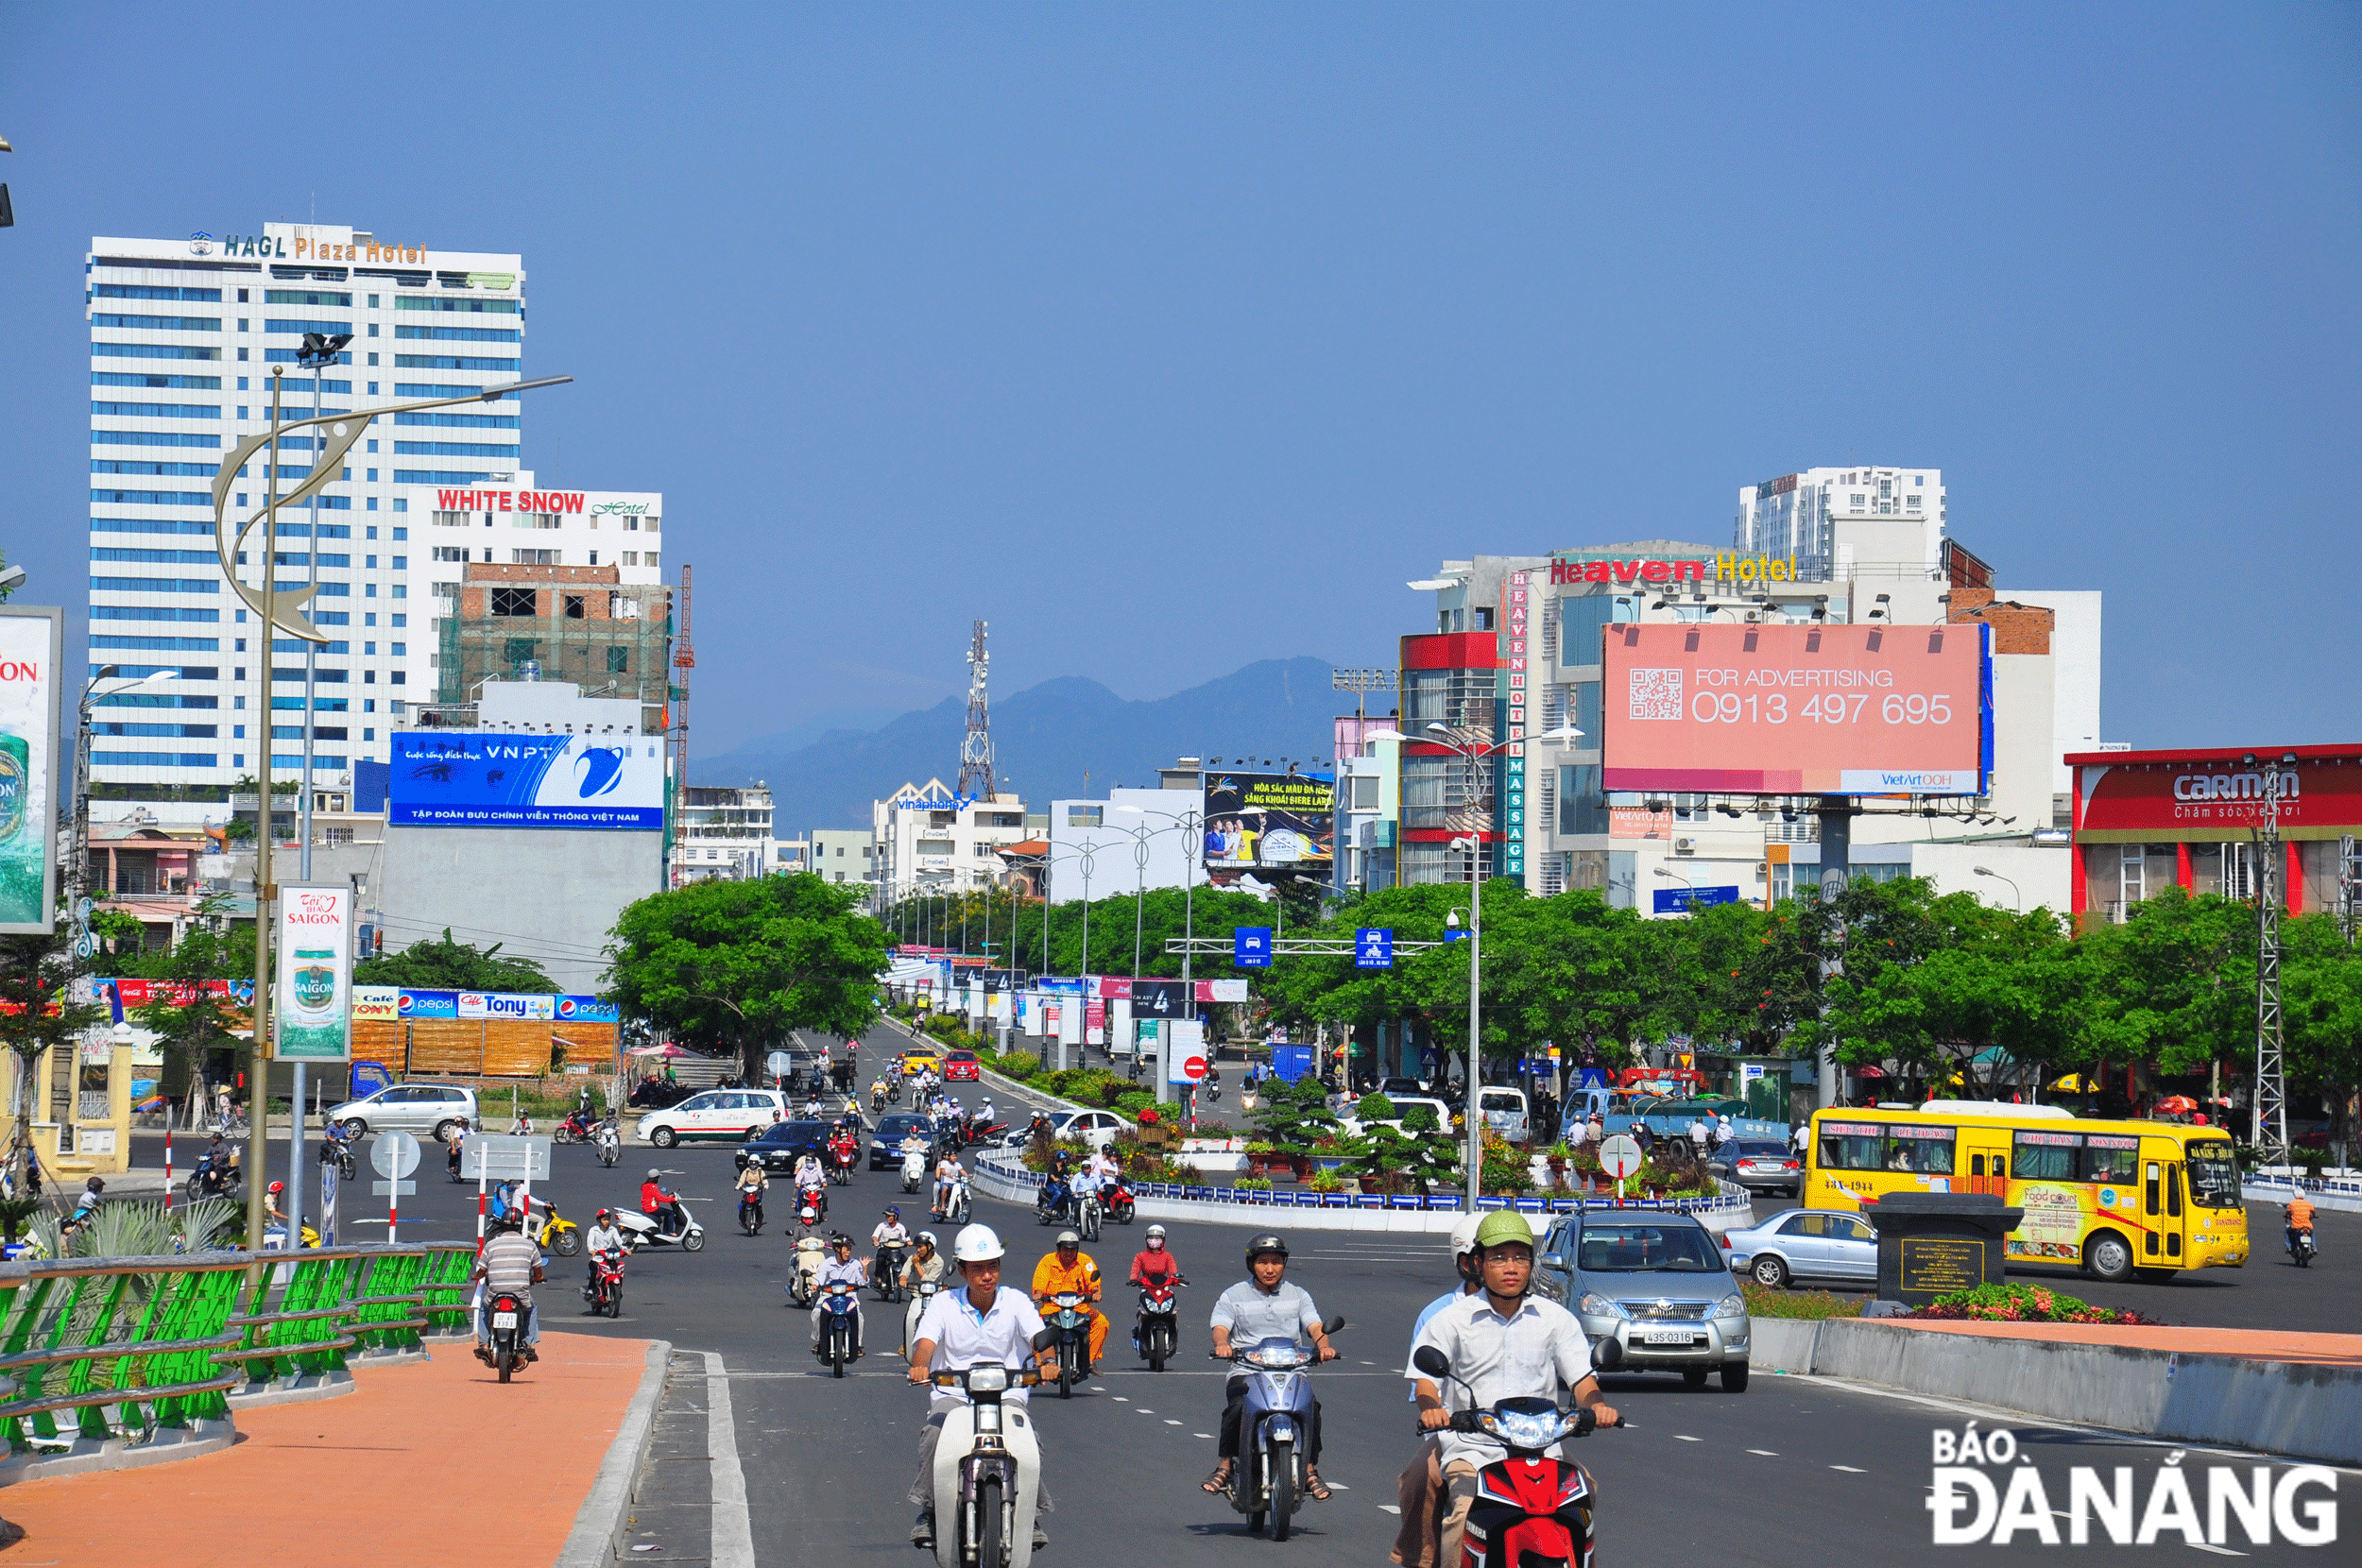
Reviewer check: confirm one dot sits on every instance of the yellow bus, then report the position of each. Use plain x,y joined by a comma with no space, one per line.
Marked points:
2118,1199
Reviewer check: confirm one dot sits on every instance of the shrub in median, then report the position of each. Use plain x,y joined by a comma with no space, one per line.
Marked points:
2024,1304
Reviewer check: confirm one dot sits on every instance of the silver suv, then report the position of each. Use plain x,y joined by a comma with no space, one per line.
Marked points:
1659,1284
426,1109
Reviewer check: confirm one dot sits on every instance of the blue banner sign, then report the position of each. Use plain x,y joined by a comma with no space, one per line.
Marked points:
1678,900
1374,947
1250,947
471,778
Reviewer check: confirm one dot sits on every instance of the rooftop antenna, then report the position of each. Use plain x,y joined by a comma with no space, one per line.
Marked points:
976,745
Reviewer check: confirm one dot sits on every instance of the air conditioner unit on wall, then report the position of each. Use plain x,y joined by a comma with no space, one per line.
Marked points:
1685,846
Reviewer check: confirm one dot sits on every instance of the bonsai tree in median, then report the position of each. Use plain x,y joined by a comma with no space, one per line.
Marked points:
1297,1116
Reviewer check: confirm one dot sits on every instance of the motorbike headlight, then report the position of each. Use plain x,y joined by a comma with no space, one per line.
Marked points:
1732,1305
1523,1428
988,1380
1596,1306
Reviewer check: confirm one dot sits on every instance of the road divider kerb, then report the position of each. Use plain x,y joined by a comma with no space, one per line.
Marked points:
2304,1409
597,1538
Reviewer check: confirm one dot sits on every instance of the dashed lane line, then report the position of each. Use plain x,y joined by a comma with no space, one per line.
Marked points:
1849,1470
1764,1453
1678,1437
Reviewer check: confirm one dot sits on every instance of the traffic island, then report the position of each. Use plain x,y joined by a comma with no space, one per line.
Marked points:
2294,1394
1938,1244
412,1447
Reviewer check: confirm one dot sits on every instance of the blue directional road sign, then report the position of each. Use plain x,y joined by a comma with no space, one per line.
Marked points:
1455,933
1374,947
1250,947
1680,900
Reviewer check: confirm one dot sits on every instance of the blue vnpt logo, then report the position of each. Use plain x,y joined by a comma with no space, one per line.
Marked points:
599,770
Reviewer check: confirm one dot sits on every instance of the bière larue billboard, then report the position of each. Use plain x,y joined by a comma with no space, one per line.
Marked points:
1821,710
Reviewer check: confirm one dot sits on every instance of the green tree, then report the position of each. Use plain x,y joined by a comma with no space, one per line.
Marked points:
2321,1002
2173,984
726,965
38,1013
190,1021
449,966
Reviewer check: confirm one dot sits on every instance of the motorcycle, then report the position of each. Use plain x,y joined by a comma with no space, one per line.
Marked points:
1055,1202
803,1280
1268,1480
812,1206
837,1305
606,1290
890,1270
577,1128
1069,1323
2300,1248
842,1158
640,1230
507,1333
987,1469
214,1177
1120,1204
921,1297
1530,1508
893,1090
1158,1331
611,1143
1086,1213
877,1100
956,1206
914,1171
750,1210
337,1152
558,1233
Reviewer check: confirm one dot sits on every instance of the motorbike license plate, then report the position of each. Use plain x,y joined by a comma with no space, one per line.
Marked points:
504,1320
1669,1335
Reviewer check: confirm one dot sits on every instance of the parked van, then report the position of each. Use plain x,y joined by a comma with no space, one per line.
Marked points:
1505,1112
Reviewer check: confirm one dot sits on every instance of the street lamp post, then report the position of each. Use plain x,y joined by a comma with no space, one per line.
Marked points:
1475,844
2018,898
275,611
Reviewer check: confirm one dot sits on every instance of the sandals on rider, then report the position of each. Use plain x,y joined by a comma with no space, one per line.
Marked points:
1314,1487
1219,1481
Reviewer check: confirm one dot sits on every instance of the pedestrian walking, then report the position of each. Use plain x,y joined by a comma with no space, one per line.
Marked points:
458,1136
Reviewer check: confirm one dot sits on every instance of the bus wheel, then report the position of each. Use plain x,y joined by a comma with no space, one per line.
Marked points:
2109,1257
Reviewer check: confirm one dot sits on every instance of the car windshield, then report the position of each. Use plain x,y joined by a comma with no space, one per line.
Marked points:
793,1131
2214,1178
894,1127
1637,1248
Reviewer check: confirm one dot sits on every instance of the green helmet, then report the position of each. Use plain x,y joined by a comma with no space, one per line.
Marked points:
1504,1225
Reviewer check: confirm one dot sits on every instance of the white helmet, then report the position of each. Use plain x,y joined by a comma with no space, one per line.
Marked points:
1463,1234
1156,1231
977,1244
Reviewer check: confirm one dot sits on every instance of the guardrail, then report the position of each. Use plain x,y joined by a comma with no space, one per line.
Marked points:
100,1355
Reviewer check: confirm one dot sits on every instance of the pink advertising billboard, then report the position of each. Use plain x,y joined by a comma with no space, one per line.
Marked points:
1809,710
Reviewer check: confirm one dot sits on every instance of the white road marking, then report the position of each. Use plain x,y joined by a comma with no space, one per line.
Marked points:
1120,1399
733,1529
1678,1437
1170,1422
1383,1508
1764,1452
1207,1434
2218,1551
1849,1470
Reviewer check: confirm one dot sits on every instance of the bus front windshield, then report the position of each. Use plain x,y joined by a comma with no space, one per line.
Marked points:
2214,1175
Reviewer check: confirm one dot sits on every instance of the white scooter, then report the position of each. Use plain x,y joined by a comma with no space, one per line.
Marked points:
956,1206
913,1169
640,1230
922,1298
988,1471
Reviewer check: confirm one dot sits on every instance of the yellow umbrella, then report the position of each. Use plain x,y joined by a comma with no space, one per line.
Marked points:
2071,1085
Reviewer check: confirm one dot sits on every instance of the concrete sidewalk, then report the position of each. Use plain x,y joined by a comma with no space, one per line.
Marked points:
431,1462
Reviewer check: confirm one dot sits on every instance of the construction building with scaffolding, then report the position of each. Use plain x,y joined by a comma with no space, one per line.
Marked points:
582,625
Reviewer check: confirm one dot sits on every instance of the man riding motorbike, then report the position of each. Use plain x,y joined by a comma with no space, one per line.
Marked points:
1153,1265
1069,1268
1265,1305
662,1205
926,1263
604,1235
753,1182
889,1232
948,1173
841,1269
979,1325
511,1262
1502,1342
2298,1218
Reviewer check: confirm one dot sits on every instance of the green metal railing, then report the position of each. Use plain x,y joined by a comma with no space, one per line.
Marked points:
132,1347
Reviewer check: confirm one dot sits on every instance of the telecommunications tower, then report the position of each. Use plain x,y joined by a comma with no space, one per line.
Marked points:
976,747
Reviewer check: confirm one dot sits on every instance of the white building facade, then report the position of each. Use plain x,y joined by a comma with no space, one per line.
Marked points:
931,840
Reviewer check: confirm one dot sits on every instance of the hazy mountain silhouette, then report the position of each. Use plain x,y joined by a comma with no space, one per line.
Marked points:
1046,738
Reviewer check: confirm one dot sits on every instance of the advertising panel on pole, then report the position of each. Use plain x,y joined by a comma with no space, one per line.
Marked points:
1255,821
2198,796
1804,710
312,1003
1678,900
376,1003
1221,990
448,778
586,1009
32,669
1185,1052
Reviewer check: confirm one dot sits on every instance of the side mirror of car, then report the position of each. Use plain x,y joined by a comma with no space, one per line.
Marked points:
1431,1361
1607,1354
1553,1260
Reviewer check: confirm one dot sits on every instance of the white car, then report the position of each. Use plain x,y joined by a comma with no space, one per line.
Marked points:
426,1109
1086,1125
715,1115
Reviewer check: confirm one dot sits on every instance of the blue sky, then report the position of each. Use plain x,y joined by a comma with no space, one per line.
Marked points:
1170,337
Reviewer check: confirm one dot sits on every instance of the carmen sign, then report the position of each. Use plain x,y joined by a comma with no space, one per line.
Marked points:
2167,796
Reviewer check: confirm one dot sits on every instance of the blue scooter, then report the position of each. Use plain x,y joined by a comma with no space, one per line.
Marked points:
1275,1424
838,1304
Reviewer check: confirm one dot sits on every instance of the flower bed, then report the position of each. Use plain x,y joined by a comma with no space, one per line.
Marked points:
2024,1304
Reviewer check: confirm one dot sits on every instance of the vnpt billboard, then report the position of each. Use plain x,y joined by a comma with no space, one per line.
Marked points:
1844,710
483,779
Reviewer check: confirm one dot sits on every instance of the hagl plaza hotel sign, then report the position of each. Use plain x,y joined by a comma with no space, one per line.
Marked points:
1726,567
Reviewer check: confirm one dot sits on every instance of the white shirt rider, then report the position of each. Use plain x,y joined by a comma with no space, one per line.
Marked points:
890,1232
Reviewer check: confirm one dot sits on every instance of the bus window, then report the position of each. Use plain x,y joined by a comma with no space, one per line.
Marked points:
2046,1156
2173,1192
2214,1179
1851,1145
1925,1150
2108,1158
1975,1165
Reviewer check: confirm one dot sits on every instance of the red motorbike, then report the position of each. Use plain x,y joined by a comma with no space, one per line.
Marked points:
1117,1200
844,1154
1531,1511
606,1290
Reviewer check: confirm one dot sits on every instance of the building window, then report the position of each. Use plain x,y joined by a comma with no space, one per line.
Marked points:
618,661
514,601
576,607
1364,792
519,650
531,557
1483,614
1085,816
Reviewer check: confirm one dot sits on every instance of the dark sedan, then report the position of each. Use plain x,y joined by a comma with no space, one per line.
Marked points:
885,1152
786,1142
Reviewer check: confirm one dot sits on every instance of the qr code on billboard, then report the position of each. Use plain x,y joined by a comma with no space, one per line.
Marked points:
1656,695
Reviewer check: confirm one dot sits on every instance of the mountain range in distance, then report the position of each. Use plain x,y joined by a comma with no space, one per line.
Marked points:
1046,740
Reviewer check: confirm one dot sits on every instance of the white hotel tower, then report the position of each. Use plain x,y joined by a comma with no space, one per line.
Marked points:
184,334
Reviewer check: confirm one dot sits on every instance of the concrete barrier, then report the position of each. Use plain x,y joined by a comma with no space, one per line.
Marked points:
2306,1410
2331,1193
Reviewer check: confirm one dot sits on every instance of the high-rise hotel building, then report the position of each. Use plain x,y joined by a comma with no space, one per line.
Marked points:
185,335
